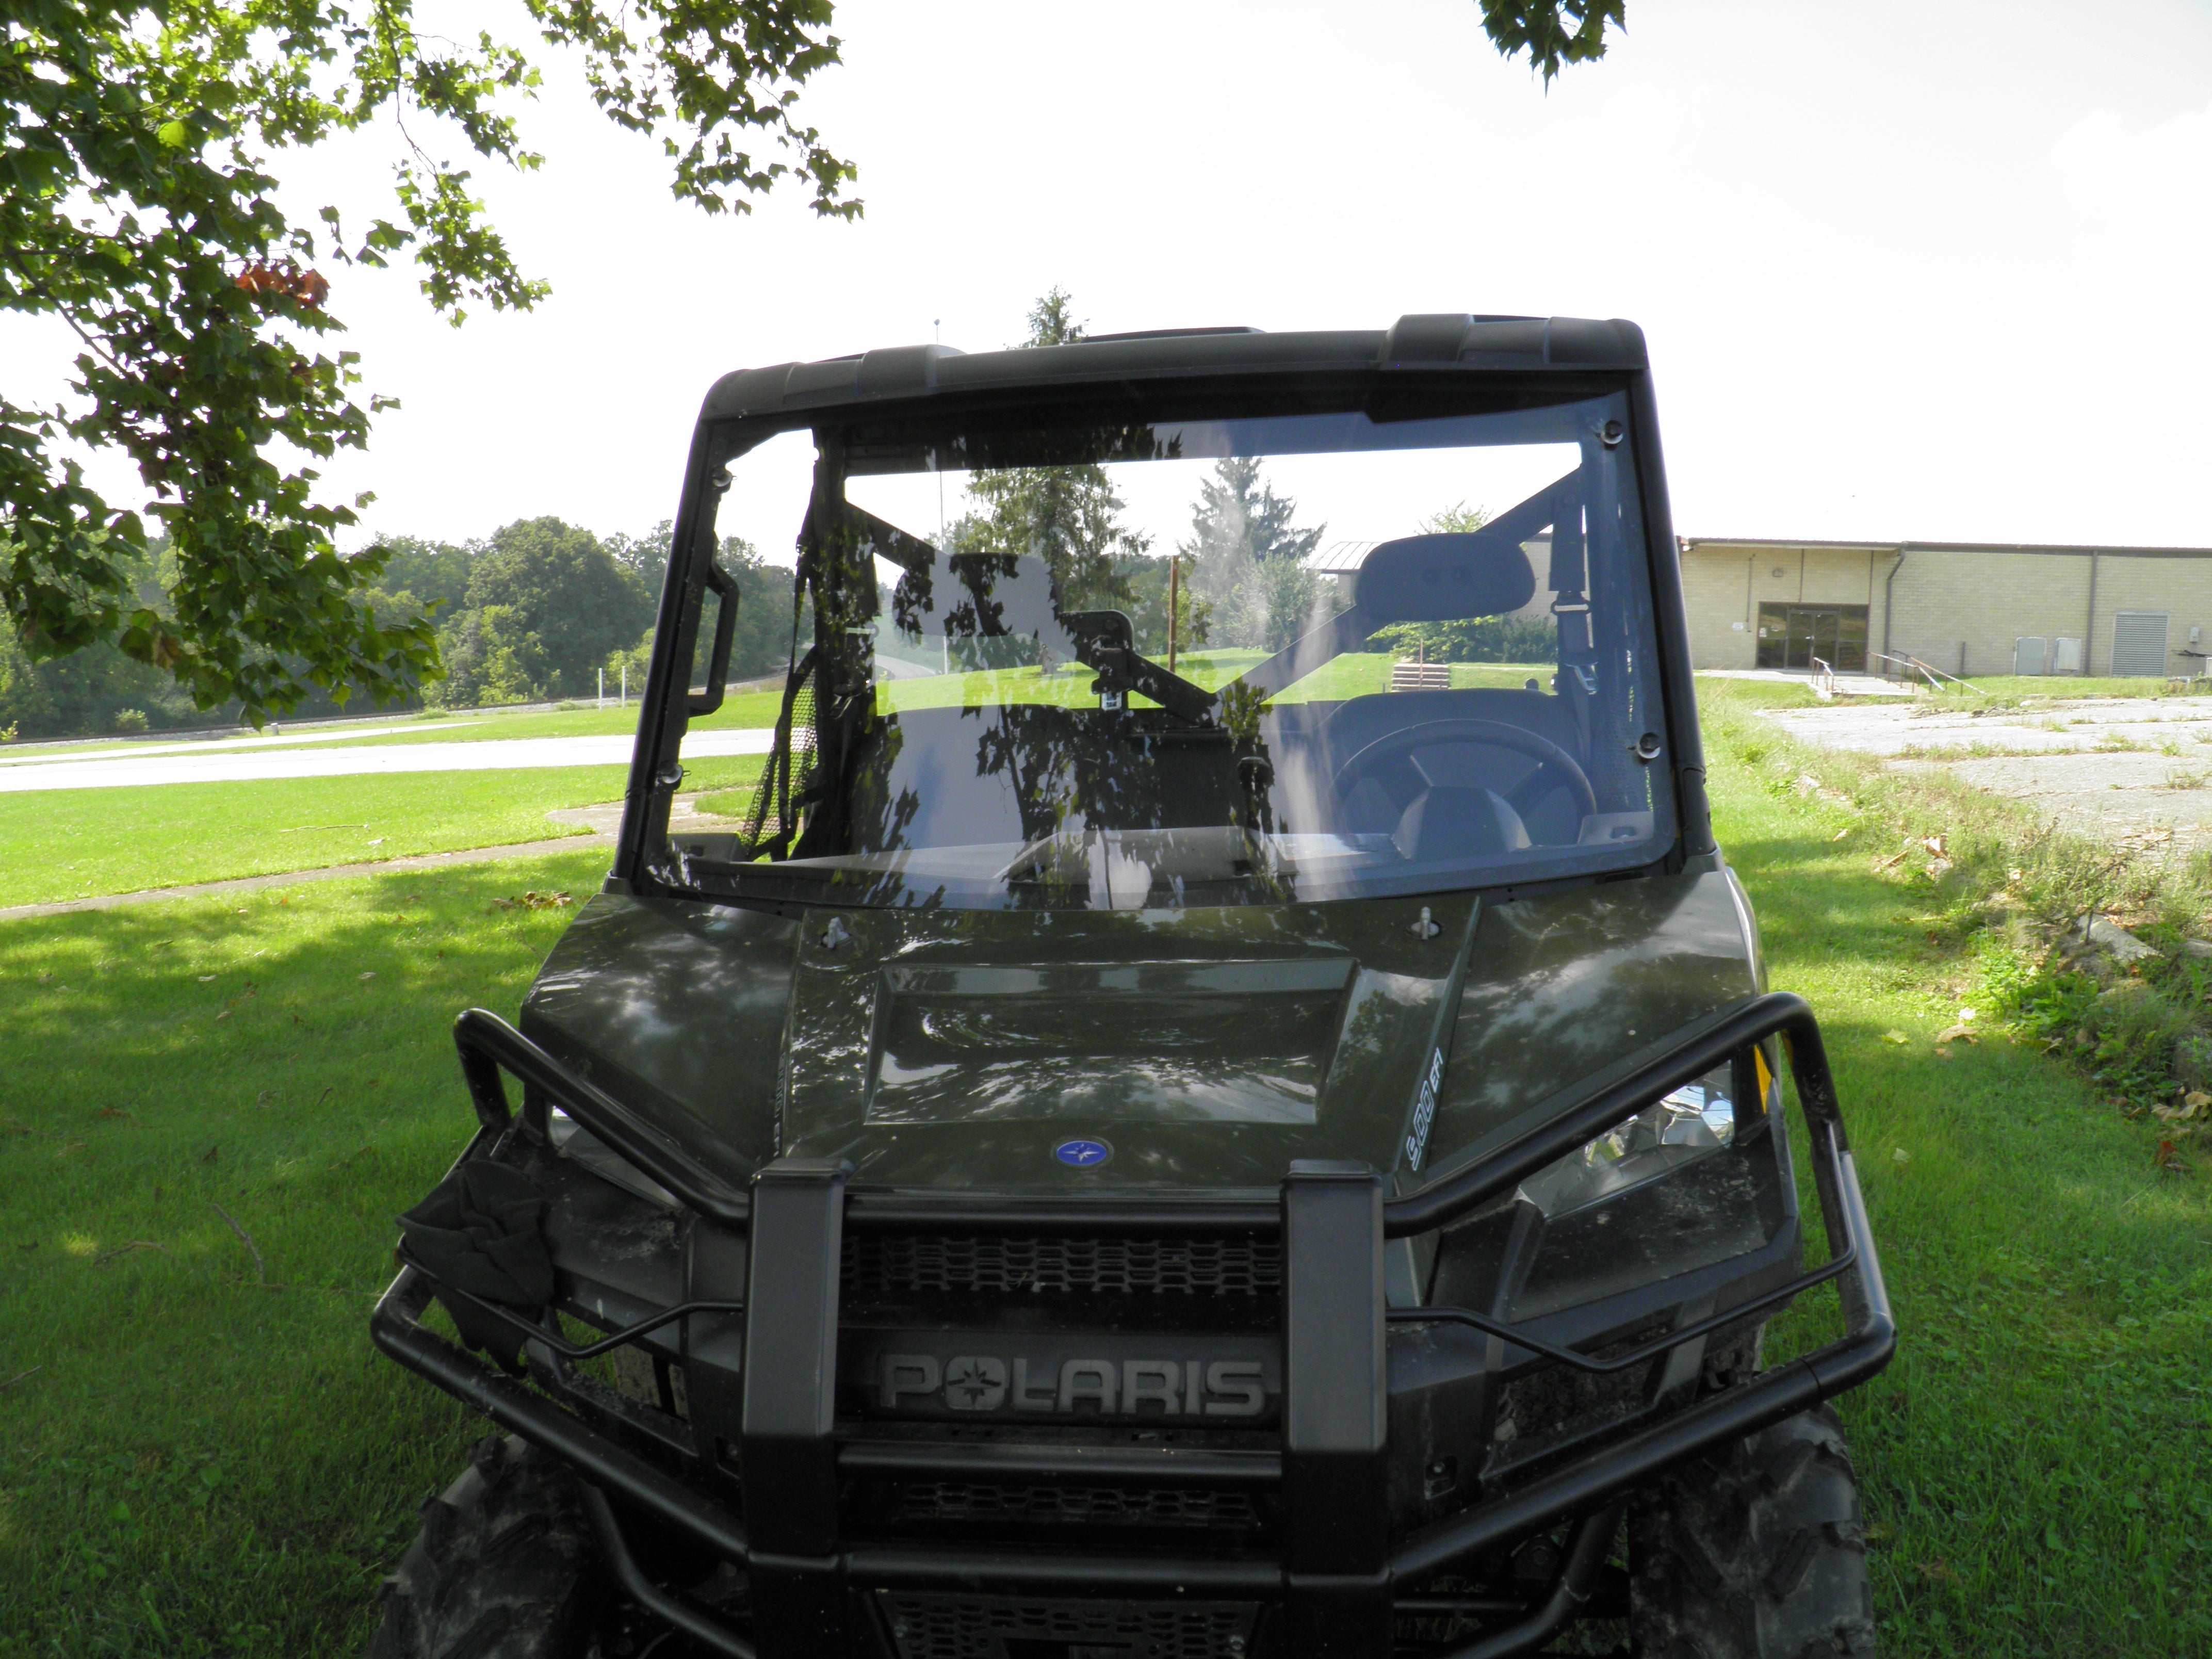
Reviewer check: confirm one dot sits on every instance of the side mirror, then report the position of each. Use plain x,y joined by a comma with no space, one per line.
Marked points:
1443,578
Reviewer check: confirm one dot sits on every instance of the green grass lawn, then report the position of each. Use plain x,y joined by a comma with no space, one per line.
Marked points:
194,1461
1353,674
67,843
2017,686
73,843
2035,1461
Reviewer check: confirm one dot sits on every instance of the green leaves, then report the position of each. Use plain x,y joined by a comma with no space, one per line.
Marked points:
1552,32
699,71
138,202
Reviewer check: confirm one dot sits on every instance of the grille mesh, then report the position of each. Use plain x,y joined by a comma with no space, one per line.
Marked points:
892,1265
1109,1506
969,1627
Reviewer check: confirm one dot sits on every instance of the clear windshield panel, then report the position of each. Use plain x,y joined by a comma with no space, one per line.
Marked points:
1132,665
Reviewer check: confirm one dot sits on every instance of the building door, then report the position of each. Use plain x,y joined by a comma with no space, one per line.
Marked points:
1792,635
2138,642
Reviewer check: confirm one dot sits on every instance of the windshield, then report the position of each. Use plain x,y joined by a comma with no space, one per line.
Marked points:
1240,657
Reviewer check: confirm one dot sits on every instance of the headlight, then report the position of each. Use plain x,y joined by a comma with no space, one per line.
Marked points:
1695,1120
571,1140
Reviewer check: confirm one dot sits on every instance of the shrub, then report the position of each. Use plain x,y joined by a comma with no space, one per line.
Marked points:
129,719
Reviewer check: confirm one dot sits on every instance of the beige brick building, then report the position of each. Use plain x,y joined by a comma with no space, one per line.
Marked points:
1964,608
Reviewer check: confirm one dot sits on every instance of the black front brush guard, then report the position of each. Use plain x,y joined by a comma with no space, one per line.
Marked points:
1338,1570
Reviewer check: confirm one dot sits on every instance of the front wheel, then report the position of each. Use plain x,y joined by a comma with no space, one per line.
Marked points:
505,1566
1756,1551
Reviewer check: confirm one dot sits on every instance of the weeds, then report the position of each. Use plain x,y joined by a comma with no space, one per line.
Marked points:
1986,876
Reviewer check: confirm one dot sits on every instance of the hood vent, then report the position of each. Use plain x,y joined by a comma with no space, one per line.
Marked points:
894,1267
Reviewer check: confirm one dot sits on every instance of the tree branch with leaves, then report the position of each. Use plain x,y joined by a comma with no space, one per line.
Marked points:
139,140
1553,33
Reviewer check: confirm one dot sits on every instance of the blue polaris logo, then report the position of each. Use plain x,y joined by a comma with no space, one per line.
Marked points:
1082,1154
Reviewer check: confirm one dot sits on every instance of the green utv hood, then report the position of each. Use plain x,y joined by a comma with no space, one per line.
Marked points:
1207,1048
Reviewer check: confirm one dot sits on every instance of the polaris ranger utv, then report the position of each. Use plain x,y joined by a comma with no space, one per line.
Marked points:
1132,1146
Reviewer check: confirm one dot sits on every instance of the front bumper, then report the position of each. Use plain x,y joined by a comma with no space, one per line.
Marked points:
1334,1576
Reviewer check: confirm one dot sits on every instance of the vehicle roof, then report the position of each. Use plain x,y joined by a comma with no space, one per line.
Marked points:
1428,342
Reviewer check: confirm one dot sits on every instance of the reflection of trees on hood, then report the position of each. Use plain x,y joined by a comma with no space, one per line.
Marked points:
1248,558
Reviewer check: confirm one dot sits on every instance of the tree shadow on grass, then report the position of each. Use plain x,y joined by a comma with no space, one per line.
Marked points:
215,1434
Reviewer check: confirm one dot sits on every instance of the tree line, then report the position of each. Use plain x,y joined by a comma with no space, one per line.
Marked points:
539,609
531,613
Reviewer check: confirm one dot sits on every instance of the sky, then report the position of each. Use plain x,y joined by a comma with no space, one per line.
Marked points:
1931,270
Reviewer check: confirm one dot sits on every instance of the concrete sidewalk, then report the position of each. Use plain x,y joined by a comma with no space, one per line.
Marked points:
1847,686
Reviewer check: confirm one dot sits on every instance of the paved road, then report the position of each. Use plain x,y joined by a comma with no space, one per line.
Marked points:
231,765
30,754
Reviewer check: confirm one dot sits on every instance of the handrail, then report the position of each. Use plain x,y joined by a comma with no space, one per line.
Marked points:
1934,675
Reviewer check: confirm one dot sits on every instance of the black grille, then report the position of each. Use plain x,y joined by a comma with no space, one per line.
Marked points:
971,1627
1082,1506
880,1266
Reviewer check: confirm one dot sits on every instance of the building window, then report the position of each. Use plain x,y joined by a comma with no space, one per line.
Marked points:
1792,635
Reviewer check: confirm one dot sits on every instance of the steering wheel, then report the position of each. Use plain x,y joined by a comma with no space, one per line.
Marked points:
1551,759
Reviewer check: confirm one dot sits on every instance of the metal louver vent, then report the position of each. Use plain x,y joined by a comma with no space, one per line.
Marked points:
957,1501
892,1265
973,1627
2139,642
